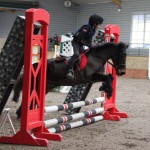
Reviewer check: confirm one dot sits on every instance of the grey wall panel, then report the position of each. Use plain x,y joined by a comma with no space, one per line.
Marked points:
63,19
111,15
6,21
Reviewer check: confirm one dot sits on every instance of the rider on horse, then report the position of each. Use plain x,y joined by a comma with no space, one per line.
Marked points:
83,37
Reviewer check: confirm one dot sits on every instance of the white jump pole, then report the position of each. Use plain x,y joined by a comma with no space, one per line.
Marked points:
56,108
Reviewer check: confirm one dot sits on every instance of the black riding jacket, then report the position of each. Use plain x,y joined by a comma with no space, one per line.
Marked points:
84,36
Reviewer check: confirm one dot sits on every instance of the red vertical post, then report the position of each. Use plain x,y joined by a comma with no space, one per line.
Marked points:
34,84
111,111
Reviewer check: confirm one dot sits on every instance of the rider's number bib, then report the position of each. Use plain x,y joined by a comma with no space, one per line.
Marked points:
66,49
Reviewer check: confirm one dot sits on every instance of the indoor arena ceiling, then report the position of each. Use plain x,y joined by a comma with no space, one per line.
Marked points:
117,2
91,2
96,1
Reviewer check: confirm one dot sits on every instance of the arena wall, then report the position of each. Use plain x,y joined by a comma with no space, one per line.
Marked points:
137,67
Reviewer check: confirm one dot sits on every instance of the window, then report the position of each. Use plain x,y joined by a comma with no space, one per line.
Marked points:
140,36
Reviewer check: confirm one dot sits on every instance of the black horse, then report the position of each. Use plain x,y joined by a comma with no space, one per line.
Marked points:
93,72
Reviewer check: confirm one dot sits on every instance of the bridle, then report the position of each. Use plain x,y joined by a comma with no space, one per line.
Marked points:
112,64
115,66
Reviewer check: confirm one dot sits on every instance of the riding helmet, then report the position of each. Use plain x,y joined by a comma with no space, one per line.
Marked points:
95,20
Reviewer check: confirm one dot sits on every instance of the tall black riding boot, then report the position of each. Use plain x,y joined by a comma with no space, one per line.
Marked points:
70,71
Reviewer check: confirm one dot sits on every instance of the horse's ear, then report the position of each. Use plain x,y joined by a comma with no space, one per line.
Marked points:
122,44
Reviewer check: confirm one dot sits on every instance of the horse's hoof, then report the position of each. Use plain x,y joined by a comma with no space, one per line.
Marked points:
18,113
109,94
15,101
103,87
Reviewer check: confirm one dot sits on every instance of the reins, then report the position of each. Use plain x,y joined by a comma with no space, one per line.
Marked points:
112,64
99,57
109,62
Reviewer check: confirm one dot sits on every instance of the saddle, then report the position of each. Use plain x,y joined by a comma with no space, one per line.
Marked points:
81,63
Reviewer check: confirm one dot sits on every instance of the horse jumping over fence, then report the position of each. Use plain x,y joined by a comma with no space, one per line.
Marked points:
93,71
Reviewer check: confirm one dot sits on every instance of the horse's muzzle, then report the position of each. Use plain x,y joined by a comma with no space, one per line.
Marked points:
121,72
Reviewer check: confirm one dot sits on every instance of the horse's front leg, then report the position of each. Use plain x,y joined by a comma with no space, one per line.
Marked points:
107,83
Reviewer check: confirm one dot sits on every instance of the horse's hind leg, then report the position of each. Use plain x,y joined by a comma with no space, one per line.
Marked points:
18,112
107,83
17,88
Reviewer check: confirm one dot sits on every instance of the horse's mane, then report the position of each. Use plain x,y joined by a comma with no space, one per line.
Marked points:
104,46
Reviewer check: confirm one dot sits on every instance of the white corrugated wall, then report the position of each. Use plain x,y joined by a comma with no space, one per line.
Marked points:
63,19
